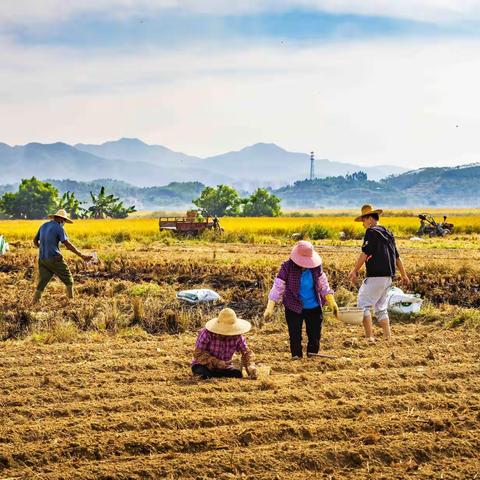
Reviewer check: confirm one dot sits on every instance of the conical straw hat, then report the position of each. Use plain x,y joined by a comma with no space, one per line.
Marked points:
368,210
227,323
61,214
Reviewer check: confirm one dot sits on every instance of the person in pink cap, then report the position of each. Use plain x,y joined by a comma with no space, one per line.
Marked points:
302,287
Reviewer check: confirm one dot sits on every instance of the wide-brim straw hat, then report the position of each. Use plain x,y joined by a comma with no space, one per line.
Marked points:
368,210
305,256
61,214
227,323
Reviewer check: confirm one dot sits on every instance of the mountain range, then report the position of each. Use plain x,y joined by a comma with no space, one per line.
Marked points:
441,186
140,164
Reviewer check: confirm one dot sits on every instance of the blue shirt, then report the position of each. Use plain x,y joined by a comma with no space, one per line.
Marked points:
307,292
49,235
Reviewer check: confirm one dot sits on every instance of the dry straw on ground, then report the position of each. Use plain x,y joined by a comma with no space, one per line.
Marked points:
101,387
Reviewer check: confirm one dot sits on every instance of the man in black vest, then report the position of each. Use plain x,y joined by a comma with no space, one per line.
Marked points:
381,258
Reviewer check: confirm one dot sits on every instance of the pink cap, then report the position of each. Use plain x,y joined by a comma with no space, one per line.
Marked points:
305,256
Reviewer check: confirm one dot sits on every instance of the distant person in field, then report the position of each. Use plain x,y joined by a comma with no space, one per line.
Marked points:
302,287
381,258
50,260
217,343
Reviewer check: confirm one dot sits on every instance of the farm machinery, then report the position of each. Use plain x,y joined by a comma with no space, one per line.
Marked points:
429,226
190,225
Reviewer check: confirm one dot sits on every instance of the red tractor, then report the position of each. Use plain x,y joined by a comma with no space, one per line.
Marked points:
189,225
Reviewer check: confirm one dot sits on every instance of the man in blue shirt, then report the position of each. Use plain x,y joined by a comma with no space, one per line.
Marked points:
50,260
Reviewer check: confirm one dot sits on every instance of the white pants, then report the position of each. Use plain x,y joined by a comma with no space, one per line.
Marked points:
373,294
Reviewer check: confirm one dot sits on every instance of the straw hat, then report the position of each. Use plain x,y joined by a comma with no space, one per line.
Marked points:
227,323
61,214
368,210
304,255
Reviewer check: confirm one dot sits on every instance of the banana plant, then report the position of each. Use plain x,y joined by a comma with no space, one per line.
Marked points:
104,206
70,203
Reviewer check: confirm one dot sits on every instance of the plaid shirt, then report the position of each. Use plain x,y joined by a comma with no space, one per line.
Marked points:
220,346
286,286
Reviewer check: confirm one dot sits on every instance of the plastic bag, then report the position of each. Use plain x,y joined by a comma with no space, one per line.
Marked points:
400,302
200,295
4,247
94,259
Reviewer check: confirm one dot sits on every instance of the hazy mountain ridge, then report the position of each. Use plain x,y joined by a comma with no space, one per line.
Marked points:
442,186
280,166
135,162
59,160
133,150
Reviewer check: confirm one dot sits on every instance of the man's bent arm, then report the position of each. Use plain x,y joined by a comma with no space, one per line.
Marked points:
73,248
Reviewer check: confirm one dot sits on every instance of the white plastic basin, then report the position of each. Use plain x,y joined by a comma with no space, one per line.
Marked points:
351,315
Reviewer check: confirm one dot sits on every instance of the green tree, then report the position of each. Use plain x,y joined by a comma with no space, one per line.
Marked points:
118,210
70,203
34,200
220,201
262,204
104,206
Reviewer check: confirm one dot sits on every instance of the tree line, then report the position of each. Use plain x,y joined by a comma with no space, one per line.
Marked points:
36,200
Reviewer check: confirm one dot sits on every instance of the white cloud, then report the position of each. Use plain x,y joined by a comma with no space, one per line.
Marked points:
34,11
368,103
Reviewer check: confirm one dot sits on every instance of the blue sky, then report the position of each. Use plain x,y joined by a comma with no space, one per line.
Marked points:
175,28
377,81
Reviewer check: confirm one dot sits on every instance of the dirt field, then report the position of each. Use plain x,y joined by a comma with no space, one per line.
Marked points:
130,409
106,404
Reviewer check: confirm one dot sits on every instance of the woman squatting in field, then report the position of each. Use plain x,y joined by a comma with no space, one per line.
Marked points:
217,343
302,287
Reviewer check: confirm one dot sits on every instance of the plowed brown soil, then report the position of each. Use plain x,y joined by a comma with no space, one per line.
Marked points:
105,406
127,408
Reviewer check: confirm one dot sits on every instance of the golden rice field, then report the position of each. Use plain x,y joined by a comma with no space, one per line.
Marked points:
237,229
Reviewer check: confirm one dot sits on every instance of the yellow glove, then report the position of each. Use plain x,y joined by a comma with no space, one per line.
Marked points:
269,310
330,299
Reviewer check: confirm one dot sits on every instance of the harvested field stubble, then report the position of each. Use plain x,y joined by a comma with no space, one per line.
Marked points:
139,287
90,393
